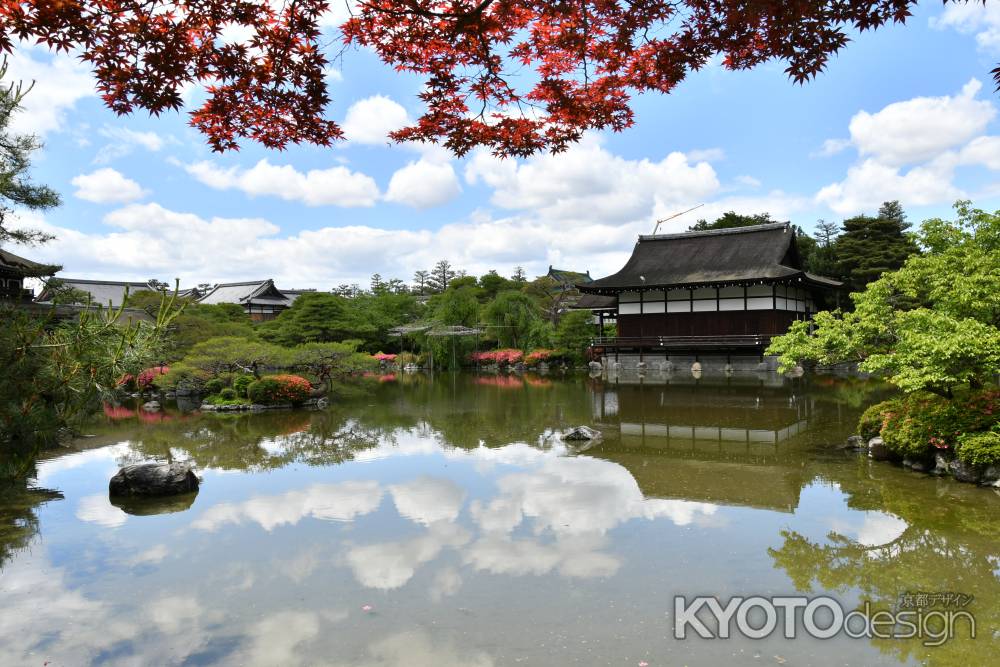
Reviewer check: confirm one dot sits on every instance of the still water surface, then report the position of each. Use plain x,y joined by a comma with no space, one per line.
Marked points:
435,523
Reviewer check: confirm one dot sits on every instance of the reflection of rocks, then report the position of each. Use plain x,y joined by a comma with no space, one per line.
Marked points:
582,434
150,505
154,479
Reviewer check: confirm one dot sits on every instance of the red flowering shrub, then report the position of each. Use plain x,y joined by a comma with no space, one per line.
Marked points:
537,357
499,357
279,389
145,378
384,357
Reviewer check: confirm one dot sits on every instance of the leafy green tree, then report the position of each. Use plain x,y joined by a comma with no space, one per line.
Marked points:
823,259
519,278
931,325
731,219
574,332
230,354
320,318
492,283
870,246
327,362
511,318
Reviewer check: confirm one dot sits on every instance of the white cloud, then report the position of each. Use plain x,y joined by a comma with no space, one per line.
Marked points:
107,186
369,121
390,565
428,499
98,509
909,151
423,184
870,183
921,128
124,141
589,183
706,155
330,502
336,186
982,20
60,81
832,147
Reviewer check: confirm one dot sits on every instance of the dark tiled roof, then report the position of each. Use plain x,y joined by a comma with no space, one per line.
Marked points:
740,254
26,267
595,302
569,277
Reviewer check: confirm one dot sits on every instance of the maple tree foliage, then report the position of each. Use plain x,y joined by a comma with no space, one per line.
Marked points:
516,76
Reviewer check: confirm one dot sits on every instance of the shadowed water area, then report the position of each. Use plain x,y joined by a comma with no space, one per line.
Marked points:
435,522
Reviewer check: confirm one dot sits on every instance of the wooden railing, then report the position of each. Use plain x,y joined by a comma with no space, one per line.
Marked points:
748,341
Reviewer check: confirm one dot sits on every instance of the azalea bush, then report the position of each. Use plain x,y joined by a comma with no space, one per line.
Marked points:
507,357
279,389
537,357
383,357
919,424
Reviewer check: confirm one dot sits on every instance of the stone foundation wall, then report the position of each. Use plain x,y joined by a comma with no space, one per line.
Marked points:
710,363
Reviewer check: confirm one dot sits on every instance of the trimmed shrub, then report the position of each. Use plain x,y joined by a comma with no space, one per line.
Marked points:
278,389
214,386
919,424
228,394
537,357
980,449
241,383
501,358
870,424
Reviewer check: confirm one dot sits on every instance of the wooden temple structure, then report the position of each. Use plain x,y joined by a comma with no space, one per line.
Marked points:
13,272
725,290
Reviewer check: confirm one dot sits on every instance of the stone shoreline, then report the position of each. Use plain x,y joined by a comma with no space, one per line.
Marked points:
942,465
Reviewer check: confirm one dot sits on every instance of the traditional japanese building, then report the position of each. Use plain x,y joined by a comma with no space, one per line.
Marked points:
260,298
13,272
725,289
101,292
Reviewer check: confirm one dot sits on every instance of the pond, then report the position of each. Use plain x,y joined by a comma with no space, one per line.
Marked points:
435,522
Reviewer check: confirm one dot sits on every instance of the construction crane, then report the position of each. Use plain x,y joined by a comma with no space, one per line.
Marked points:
676,215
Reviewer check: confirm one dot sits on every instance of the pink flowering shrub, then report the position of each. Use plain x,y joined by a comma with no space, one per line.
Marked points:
499,357
384,357
279,389
537,357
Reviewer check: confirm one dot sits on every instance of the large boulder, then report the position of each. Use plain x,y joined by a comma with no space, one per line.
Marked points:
582,434
942,464
991,476
965,472
154,479
877,450
151,406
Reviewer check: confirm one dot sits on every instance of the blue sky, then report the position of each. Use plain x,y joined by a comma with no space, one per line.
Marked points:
905,113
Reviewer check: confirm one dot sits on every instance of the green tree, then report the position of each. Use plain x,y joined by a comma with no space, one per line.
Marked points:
931,325
870,246
17,191
421,280
823,259
440,276
574,332
492,283
510,318
731,219
318,317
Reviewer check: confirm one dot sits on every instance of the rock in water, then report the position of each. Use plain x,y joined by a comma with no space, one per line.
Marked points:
856,442
152,406
965,472
877,450
154,479
594,366
582,433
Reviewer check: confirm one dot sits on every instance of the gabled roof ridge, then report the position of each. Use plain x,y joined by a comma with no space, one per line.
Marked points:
239,284
91,281
714,232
